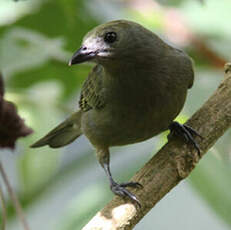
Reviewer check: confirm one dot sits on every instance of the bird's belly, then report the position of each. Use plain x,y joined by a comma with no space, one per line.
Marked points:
110,128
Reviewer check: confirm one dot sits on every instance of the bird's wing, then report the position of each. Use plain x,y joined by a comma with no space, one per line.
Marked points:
91,94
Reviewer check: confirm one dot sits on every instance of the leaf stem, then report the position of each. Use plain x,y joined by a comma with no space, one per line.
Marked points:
4,212
14,199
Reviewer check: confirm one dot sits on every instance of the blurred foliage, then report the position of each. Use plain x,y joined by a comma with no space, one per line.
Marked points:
214,175
37,37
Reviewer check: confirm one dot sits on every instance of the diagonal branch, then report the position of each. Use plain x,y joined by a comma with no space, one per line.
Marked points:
171,164
3,210
14,199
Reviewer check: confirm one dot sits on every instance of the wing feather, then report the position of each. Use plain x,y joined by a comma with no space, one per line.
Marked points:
92,91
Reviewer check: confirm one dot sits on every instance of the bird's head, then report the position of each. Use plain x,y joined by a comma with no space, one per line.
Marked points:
116,40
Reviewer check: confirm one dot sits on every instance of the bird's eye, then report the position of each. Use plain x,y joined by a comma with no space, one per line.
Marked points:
110,37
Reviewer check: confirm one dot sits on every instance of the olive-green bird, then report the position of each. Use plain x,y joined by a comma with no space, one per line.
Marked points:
134,92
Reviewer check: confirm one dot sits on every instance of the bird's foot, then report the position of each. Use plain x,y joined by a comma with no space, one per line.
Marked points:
120,189
186,132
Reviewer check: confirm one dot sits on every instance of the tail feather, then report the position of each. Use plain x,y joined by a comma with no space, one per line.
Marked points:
63,134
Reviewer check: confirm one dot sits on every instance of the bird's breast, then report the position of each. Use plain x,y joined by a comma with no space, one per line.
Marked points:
134,111
126,123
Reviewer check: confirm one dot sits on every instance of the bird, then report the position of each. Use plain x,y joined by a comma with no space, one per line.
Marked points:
135,90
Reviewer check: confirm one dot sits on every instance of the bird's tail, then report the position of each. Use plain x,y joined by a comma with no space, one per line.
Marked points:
63,134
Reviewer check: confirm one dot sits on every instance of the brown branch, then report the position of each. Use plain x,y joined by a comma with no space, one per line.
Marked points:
203,48
171,164
3,211
14,199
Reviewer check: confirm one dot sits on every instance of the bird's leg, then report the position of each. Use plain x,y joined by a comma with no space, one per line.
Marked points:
118,189
186,132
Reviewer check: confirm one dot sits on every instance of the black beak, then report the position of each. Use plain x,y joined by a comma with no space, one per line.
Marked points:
81,55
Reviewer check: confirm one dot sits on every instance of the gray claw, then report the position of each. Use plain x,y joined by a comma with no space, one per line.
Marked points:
187,133
120,189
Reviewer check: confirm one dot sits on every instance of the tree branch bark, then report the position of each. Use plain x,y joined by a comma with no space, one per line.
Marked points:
171,164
